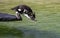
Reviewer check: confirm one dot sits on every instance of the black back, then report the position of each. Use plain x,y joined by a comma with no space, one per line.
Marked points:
22,7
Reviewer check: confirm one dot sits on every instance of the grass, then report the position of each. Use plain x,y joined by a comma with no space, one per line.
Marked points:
47,15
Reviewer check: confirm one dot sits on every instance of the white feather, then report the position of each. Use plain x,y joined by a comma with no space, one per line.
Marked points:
19,9
16,12
24,10
26,15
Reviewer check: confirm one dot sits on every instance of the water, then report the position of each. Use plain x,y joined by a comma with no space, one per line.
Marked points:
31,33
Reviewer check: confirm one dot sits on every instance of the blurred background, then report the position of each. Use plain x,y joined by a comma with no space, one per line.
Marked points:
46,26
